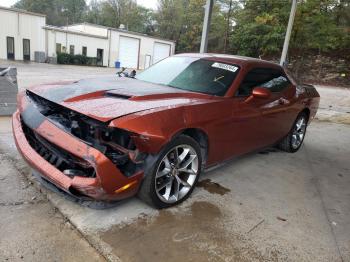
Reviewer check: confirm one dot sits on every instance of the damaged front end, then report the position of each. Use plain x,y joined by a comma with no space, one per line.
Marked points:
83,156
114,143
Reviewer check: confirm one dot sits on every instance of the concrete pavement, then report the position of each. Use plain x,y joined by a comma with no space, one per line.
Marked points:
266,206
31,228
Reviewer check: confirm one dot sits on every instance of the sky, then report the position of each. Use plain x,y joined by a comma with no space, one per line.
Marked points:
146,3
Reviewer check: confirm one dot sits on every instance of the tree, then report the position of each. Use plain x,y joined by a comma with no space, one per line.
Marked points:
94,13
169,18
58,12
182,21
260,27
74,10
319,25
113,13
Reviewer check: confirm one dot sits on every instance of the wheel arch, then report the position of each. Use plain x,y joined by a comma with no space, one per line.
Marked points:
307,111
201,137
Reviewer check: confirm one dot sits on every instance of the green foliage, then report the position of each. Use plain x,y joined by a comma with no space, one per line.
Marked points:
113,13
260,27
182,21
63,58
68,59
58,12
319,25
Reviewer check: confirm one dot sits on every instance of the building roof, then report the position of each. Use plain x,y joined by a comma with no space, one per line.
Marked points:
70,31
122,31
16,10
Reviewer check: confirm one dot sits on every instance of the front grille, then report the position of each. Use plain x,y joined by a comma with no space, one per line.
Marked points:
64,161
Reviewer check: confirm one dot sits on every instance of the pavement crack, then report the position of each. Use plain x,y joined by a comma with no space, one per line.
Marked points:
254,227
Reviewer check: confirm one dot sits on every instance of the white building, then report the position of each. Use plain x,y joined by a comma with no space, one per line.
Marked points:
21,31
21,34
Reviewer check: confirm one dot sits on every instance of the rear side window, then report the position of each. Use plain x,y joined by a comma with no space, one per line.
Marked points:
273,79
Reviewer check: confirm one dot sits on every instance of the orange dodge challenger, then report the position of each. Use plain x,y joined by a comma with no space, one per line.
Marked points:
152,135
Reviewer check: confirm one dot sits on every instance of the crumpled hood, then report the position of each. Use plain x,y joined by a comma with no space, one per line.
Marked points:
105,99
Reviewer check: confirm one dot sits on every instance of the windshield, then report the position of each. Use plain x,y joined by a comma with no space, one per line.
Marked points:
192,74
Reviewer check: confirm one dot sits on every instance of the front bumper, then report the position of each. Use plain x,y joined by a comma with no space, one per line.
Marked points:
108,184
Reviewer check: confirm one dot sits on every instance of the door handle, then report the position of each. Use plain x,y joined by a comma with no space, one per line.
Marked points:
283,101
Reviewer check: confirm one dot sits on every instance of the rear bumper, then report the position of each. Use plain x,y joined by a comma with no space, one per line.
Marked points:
107,183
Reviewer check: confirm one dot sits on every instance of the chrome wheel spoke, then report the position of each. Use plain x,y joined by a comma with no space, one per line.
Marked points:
168,187
176,157
182,182
162,185
176,189
183,155
164,172
300,137
187,170
167,162
187,163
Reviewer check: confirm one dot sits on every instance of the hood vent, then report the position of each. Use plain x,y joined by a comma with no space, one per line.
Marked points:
121,96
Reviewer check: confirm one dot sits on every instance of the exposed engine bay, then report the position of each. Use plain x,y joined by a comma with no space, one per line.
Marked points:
114,143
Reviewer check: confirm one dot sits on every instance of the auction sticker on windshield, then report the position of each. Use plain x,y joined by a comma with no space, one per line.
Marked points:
231,68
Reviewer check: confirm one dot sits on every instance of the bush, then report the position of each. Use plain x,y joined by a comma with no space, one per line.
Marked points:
63,58
68,59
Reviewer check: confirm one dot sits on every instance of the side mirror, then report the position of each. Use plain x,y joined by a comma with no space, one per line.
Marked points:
261,92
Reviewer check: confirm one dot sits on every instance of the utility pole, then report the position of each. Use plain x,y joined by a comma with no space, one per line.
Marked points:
288,33
206,26
227,26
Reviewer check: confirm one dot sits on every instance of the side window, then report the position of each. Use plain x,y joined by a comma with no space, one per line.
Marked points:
273,79
277,83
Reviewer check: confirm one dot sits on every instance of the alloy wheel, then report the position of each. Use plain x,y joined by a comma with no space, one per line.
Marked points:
298,132
176,173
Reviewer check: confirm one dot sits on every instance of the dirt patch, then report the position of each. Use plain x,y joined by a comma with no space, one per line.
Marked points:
193,234
213,187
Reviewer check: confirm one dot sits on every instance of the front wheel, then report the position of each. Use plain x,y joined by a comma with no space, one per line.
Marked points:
172,177
293,141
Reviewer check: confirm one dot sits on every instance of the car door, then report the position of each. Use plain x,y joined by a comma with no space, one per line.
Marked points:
247,125
276,112
247,113
234,128
272,122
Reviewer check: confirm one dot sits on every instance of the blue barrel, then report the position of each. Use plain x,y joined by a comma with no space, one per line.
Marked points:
117,64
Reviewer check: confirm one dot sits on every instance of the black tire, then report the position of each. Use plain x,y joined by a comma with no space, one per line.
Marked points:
286,144
147,192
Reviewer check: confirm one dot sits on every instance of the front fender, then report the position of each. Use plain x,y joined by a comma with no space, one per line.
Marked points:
152,129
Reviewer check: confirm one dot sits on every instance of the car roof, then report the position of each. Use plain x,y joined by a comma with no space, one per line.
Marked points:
234,59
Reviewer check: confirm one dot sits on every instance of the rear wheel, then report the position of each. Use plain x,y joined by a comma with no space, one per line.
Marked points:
293,141
172,177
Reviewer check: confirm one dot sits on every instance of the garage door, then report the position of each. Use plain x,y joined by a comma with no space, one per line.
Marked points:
129,52
160,51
